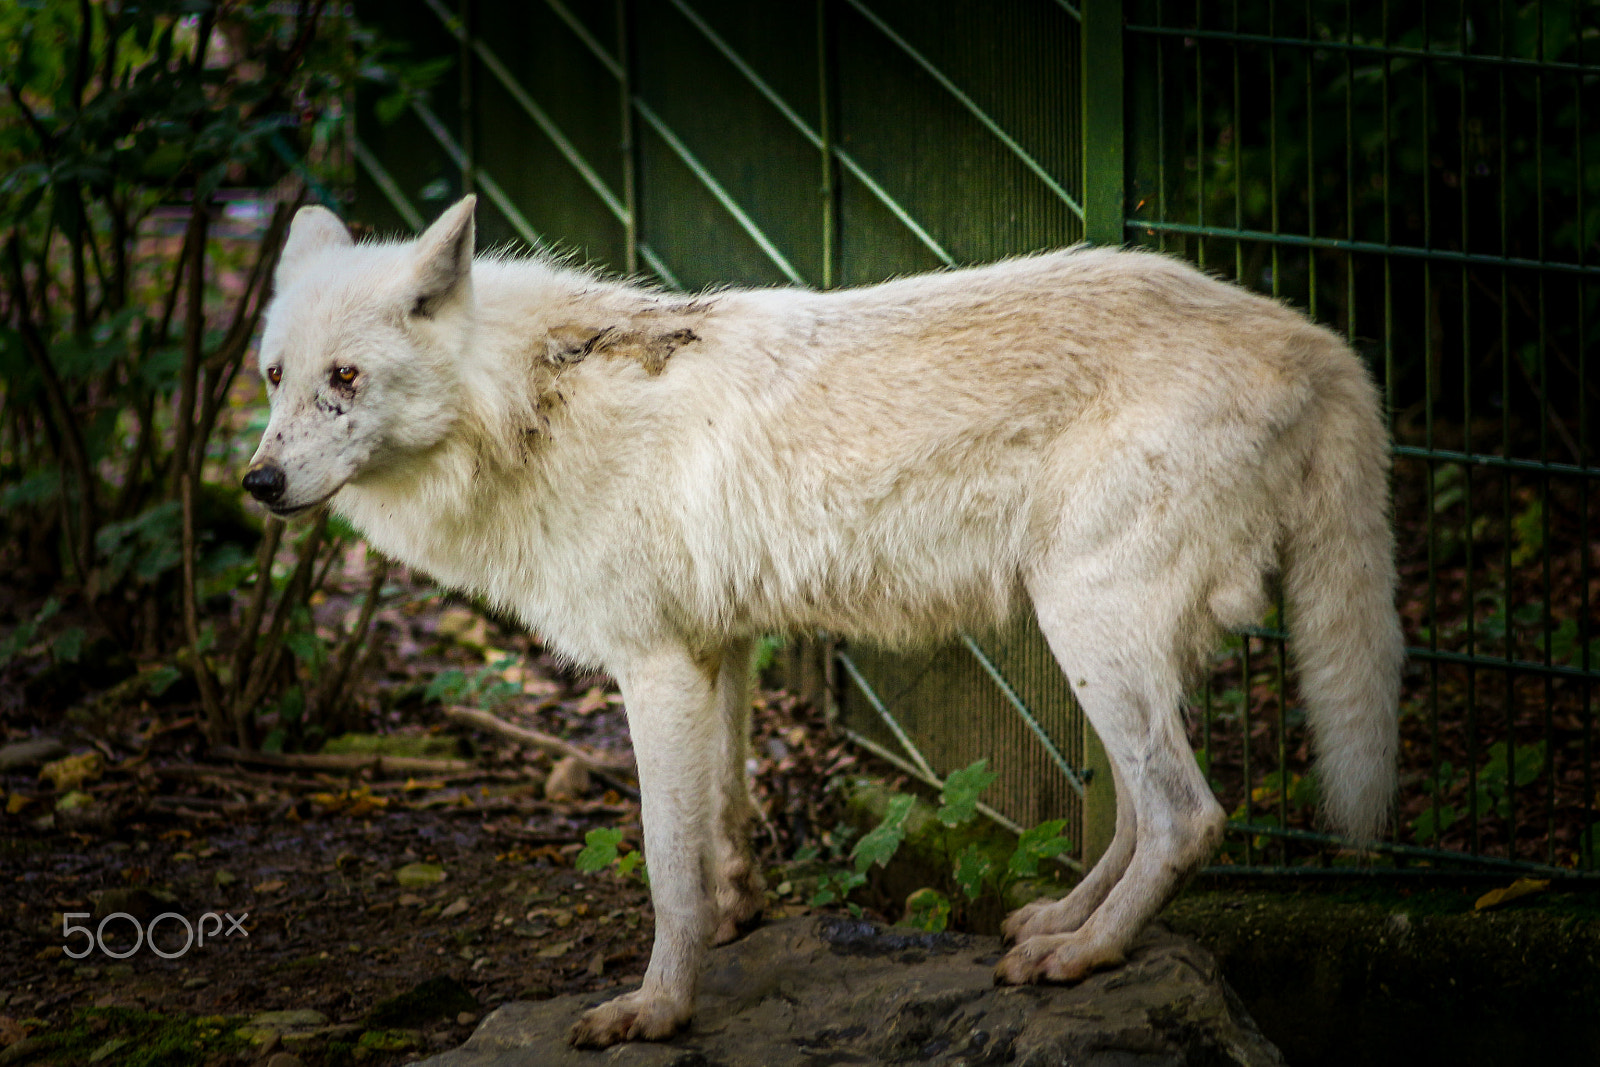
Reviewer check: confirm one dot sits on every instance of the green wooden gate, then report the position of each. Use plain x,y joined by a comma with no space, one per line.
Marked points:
1416,174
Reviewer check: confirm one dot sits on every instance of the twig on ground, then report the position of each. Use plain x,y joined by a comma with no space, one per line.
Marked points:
340,762
237,779
595,762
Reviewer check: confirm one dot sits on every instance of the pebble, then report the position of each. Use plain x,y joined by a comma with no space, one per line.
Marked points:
569,780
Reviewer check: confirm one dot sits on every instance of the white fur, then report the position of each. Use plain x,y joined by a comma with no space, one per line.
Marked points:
648,481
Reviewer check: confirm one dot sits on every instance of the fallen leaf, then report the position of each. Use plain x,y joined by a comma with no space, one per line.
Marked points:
105,1050
457,907
418,875
15,803
1520,888
72,771
560,948
594,700
467,628
270,887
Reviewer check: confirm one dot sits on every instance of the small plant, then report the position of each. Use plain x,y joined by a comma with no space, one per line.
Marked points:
975,871
1505,771
485,688
601,850
835,883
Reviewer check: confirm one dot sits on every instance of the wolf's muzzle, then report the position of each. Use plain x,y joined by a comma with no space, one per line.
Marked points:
265,482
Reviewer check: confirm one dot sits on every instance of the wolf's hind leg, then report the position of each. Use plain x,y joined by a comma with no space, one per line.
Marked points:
1119,645
741,891
1067,914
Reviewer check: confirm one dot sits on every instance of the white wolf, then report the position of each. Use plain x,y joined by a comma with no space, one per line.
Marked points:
649,481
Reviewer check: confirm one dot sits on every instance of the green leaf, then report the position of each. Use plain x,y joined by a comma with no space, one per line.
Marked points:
292,705
446,687
928,909
68,645
306,647
498,693
160,680
628,861
1037,844
880,844
599,849
973,868
1529,763
160,369
961,791
35,489
767,649
1427,828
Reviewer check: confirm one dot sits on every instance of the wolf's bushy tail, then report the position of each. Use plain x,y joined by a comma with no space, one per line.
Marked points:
1339,585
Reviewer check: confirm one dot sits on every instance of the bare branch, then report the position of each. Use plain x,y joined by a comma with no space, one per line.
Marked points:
331,693
593,761
71,435
294,593
203,676
394,766
245,650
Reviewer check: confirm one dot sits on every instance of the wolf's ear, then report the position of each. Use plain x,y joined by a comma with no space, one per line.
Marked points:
313,230
444,258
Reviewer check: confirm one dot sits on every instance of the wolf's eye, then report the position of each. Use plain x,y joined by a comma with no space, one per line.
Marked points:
344,375
274,374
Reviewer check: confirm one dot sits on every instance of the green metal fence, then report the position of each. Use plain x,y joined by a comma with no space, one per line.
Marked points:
1422,177
1418,175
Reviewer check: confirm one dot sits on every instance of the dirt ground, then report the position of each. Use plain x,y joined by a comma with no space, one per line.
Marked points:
360,916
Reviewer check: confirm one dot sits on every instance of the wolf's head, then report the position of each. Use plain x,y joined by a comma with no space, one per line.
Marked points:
361,354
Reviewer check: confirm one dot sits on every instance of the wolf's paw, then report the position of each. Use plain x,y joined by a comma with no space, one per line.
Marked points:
741,895
1041,919
1015,928
733,925
630,1017
1063,958
734,921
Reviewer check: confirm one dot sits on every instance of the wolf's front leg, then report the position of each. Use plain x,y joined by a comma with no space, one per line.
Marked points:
672,716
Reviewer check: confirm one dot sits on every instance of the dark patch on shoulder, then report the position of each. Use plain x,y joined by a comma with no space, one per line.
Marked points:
649,343
573,343
653,350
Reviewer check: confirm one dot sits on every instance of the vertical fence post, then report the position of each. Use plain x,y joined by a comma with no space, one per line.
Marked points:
1103,155
468,98
826,98
630,146
1103,214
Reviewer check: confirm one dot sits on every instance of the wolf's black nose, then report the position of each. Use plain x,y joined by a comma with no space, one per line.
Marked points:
265,482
